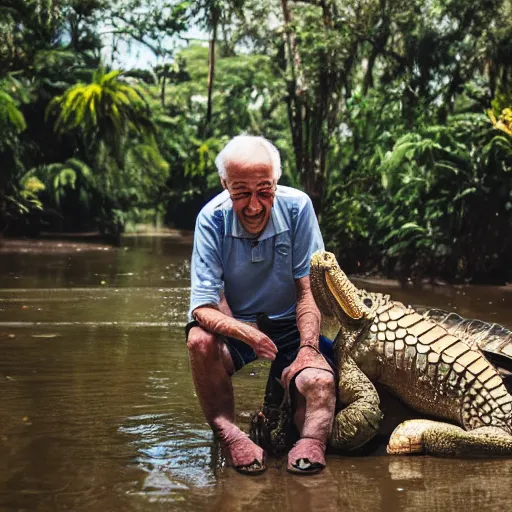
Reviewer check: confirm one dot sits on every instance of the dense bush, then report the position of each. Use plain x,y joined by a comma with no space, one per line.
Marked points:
439,204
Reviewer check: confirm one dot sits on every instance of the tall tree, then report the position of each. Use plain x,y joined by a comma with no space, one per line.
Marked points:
319,57
210,15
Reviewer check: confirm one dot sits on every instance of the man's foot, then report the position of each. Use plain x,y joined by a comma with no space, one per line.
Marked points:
307,457
240,452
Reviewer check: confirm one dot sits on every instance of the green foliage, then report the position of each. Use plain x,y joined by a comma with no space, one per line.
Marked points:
11,117
107,109
60,178
18,192
245,99
377,108
120,166
444,197
150,23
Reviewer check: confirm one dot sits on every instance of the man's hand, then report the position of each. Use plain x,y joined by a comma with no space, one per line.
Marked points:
213,320
264,347
307,357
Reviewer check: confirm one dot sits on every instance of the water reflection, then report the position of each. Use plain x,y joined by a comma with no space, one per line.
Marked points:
98,411
170,450
374,484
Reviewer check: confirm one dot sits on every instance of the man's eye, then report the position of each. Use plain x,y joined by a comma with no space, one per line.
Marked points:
265,194
240,195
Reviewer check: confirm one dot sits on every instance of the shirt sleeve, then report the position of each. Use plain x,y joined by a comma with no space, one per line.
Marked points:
307,239
206,267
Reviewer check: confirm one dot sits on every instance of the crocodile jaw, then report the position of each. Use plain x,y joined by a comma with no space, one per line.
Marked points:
333,292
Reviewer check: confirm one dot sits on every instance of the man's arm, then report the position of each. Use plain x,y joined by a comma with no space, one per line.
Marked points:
213,320
306,240
308,314
308,322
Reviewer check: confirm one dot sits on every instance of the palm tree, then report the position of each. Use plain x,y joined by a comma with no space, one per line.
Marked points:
106,110
116,158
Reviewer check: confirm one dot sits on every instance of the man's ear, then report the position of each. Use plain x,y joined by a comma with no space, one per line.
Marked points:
224,184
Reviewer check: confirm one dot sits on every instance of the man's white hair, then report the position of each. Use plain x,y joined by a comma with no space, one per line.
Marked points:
247,149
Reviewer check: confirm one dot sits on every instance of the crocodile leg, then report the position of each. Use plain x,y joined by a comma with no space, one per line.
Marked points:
444,439
273,427
359,421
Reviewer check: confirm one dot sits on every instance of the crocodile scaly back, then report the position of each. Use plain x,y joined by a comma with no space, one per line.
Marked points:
491,338
435,371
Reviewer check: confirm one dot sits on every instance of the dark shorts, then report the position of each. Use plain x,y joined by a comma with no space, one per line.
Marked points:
284,333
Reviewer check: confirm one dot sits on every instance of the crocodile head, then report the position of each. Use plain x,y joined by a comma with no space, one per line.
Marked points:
336,296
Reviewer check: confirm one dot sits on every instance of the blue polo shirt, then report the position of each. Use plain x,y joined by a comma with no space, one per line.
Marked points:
257,275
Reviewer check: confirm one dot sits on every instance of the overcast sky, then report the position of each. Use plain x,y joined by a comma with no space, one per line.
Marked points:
132,54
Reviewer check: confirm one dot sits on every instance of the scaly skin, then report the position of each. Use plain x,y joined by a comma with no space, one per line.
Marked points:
436,438
433,371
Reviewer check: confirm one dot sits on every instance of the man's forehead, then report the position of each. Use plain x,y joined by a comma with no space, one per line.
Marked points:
249,172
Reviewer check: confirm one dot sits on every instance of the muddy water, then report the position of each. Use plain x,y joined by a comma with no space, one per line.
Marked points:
98,412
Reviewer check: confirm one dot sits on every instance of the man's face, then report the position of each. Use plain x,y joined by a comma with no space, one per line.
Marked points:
252,190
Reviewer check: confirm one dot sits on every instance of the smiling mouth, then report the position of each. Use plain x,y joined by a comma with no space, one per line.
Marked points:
254,218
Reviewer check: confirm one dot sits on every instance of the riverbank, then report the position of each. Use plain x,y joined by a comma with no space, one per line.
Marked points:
90,241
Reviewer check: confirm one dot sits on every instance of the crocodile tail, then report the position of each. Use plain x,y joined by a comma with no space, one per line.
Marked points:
446,440
482,442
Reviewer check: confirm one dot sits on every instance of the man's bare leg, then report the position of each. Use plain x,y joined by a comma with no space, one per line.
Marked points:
314,415
212,368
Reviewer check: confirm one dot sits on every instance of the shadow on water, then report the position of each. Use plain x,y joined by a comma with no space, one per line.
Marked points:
98,411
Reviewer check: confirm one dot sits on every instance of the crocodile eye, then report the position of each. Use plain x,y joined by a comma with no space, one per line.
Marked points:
368,303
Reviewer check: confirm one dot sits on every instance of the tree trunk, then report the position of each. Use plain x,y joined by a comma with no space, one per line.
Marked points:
164,83
308,113
211,65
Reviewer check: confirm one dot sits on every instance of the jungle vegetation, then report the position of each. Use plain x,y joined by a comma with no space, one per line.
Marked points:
396,118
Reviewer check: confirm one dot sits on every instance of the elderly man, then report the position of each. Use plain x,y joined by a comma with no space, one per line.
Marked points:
250,267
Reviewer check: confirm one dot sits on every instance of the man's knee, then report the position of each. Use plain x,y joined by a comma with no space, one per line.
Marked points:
204,345
201,342
312,382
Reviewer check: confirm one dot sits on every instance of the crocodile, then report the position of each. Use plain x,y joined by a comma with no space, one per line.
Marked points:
434,362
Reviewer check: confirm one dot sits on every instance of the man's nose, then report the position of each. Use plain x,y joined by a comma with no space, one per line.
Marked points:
254,203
